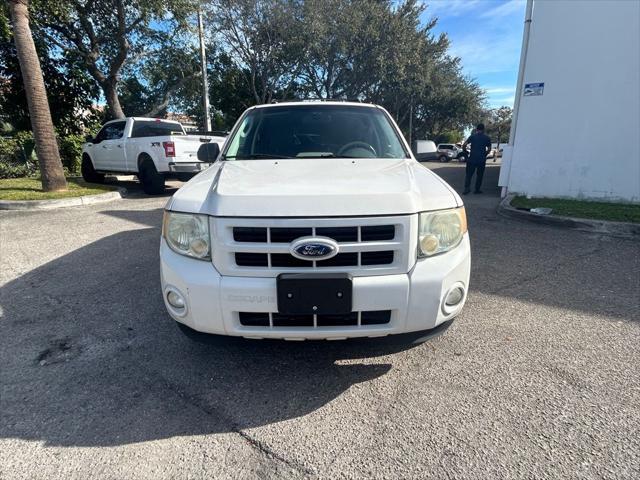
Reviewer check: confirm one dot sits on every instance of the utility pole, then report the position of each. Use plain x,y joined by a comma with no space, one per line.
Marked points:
203,66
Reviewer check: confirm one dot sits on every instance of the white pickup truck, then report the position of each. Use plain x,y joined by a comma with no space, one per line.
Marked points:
315,222
151,148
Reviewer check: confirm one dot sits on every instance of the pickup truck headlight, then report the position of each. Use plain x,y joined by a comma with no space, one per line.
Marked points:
187,234
440,231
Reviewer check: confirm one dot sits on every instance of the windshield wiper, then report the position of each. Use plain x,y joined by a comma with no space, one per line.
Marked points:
330,155
254,156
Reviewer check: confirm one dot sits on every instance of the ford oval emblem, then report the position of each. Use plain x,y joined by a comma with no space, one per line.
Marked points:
314,248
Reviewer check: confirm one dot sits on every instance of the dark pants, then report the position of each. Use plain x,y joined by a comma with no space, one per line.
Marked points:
478,168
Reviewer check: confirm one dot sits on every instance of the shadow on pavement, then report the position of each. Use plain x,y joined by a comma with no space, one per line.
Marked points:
94,360
134,188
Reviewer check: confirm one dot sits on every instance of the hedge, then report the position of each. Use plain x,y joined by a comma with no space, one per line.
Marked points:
18,157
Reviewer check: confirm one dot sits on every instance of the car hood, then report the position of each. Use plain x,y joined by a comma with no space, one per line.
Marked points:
314,187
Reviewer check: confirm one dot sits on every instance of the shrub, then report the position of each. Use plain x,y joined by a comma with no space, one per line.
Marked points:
17,156
71,152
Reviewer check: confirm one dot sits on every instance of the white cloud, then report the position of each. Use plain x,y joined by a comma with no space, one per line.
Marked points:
498,90
504,9
495,102
450,8
485,8
488,52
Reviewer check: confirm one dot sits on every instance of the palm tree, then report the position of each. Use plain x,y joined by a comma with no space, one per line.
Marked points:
46,146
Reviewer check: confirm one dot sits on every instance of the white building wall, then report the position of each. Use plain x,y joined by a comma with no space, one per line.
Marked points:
581,138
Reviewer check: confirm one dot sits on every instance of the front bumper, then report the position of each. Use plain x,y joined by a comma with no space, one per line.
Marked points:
187,167
213,302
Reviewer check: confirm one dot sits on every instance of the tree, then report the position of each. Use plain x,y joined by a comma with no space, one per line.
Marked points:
263,38
150,87
51,170
70,90
105,34
499,124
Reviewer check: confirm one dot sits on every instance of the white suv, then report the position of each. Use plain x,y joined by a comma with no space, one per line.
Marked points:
315,222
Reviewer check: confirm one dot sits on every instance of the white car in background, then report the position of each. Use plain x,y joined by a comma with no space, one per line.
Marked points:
152,148
449,151
315,222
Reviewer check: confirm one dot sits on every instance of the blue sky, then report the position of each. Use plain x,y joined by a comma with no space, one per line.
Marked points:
486,35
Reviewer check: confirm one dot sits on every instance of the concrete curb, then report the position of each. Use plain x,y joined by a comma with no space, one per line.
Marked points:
616,229
62,202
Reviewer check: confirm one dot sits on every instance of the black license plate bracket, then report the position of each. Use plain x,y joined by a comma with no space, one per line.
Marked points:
319,293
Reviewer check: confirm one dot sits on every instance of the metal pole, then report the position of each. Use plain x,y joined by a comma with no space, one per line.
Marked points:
411,124
205,83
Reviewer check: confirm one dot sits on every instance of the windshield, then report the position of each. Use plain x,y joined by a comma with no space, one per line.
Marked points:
155,128
315,131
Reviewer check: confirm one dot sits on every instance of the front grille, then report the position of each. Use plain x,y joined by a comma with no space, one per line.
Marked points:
285,260
260,247
371,233
277,235
264,319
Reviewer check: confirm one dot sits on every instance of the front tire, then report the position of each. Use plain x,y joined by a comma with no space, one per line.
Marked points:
89,173
152,181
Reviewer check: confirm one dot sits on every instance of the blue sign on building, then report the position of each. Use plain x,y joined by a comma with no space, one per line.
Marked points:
532,89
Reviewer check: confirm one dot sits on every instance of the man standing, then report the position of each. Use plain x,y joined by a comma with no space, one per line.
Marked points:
480,148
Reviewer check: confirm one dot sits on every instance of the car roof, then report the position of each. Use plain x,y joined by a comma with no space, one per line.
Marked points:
142,118
296,103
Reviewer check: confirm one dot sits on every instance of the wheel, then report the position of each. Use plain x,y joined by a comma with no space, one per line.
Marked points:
152,181
443,158
89,173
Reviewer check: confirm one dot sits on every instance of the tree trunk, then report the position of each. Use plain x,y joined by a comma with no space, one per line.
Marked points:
113,102
51,170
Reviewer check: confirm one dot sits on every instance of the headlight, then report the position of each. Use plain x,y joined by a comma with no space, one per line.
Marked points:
440,231
187,234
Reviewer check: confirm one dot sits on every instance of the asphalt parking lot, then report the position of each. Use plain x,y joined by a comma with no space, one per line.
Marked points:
538,378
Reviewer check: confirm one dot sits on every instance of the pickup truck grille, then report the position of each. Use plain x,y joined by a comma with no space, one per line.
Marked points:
260,247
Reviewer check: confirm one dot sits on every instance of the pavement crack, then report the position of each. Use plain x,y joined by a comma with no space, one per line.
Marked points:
254,443
268,452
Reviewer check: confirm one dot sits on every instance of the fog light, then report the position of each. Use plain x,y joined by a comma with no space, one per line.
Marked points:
175,300
454,297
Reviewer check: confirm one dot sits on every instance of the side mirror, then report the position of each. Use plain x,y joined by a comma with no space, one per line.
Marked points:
89,139
208,152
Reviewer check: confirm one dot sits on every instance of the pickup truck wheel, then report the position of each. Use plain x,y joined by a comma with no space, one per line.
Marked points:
89,173
152,181
443,159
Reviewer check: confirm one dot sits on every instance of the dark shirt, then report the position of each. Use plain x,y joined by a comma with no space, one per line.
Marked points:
480,147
